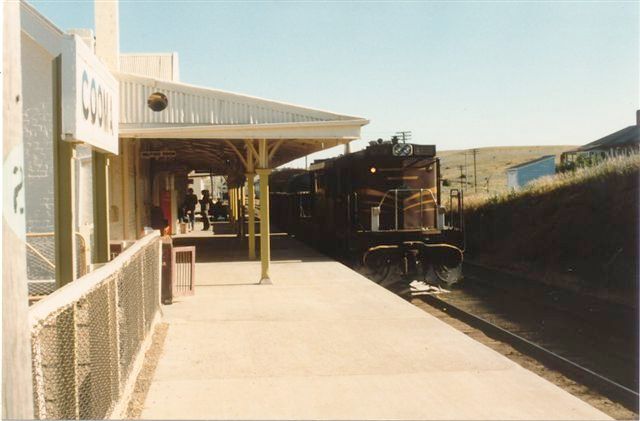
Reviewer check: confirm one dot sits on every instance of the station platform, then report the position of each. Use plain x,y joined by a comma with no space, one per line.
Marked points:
324,342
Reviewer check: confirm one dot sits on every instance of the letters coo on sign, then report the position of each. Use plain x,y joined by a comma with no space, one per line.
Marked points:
90,99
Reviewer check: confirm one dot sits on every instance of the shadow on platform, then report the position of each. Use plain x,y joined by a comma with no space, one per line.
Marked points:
225,246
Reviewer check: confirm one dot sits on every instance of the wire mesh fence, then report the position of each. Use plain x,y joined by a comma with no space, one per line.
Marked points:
88,336
41,268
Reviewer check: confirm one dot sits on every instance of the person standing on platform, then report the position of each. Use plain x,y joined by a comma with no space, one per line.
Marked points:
204,207
189,206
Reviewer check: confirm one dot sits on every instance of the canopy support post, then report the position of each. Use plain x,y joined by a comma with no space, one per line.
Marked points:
64,191
265,243
251,220
251,209
232,202
101,206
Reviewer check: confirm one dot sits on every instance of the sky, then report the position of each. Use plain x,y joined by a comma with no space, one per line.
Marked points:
456,74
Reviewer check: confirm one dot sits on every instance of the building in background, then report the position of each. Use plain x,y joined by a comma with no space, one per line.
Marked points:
624,142
521,174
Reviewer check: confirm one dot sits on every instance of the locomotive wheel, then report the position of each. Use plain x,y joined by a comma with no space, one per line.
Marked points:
378,268
448,275
379,271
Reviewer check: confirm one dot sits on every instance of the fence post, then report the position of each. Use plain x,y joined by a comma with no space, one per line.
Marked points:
159,280
40,407
141,282
114,338
67,363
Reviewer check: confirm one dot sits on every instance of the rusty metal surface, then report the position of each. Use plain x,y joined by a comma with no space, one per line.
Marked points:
183,263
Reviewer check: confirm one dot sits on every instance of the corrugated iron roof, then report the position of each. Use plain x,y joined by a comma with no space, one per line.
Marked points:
524,164
627,136
157,65
195,105
209,128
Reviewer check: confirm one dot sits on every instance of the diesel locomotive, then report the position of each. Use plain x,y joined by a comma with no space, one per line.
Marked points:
381,207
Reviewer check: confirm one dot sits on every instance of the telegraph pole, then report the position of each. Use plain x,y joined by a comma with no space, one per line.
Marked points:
404,135
475,174
461,177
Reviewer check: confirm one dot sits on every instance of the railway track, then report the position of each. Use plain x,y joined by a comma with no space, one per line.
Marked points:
588,341
615,391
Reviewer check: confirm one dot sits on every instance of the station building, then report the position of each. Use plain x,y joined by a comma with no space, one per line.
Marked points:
100,141
99,157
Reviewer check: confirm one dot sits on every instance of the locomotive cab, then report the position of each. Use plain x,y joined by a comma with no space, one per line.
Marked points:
382,206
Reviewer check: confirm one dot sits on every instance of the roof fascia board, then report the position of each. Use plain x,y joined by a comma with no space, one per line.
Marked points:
42,30
342,129
148,55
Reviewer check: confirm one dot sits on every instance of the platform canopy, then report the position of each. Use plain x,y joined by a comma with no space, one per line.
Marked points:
214,130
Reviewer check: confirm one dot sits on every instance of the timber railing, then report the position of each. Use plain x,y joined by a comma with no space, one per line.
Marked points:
89,337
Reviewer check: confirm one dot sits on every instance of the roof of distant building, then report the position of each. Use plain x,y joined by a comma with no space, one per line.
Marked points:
627,136
524,164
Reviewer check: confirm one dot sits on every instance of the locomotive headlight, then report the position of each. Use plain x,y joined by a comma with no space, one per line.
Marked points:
372,170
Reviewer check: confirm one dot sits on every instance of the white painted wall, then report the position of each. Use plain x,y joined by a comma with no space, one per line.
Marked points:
139,197
38,136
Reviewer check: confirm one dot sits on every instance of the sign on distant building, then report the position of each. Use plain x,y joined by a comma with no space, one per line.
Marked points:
90,102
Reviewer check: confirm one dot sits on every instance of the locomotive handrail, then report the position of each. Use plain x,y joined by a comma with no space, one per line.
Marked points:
395,191
409,190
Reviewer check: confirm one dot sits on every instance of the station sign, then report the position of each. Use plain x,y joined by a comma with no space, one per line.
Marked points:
90,98
161,154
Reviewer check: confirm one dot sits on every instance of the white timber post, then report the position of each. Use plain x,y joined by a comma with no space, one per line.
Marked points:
17,385
265,244
124,174
138,181
101,206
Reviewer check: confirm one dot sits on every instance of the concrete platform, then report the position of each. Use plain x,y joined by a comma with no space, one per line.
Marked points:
323,342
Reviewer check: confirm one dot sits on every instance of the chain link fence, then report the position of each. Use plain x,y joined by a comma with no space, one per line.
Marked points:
89,337
41,257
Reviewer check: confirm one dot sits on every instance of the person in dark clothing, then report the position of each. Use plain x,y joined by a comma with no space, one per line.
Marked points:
158,221
189,207
217,210
205,202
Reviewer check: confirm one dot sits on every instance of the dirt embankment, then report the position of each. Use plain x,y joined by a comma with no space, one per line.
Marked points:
582,234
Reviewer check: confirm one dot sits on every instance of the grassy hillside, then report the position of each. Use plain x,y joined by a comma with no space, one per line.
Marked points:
580,229
491,165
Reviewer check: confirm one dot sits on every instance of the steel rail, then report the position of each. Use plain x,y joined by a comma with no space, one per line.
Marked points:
607,387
